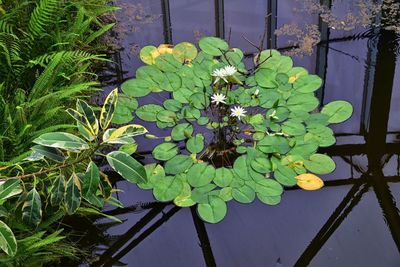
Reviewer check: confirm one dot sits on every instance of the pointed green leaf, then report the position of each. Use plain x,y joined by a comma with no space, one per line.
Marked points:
57,190
32,208
124,132
8,243
49,152
90,117
108,108
72,196
62,140
9,188
91,180
129,168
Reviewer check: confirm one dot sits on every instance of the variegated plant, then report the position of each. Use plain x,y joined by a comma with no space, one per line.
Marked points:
65,178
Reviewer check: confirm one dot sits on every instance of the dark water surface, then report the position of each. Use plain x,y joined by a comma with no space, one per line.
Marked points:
352,221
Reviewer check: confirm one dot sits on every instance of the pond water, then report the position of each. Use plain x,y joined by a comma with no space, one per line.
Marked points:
352,221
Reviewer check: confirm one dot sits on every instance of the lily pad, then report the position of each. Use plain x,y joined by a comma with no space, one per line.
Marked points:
213,211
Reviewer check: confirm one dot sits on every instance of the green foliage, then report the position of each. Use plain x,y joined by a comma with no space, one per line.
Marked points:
275,108
8,243
47,56
46,194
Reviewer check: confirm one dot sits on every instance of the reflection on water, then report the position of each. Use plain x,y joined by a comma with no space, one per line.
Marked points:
352,221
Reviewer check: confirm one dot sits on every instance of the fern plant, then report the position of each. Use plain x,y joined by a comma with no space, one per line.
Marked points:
48,53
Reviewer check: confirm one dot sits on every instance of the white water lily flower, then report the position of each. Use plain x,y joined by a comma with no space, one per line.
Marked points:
230,70
219,74
238,112
218,98
256,92
223,73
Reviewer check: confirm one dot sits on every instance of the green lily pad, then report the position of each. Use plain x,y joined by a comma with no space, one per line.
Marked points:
182,131
213,211
167,188
200,174
244,194
223,177
178,164
338,111
165,151
213,45
320,164
195,144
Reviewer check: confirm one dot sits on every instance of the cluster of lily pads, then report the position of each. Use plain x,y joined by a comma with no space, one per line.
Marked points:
266,117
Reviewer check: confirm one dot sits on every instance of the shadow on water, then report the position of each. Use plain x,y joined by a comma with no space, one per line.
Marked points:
368,158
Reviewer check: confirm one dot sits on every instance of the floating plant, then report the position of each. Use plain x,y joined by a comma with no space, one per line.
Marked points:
235,132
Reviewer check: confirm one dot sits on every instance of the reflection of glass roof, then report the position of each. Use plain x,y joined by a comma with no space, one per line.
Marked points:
345,215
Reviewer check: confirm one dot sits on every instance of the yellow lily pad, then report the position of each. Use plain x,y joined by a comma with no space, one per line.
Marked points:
309,181
148,54
165,49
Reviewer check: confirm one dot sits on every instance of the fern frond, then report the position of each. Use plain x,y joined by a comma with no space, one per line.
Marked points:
68,56
42,17
6,27
65,92
99,33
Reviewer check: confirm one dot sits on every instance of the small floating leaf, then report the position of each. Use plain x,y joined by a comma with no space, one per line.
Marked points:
213,211
320,164
165,151
338,111
213,45
309,181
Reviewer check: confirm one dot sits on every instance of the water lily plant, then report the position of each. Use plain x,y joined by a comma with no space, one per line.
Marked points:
233,132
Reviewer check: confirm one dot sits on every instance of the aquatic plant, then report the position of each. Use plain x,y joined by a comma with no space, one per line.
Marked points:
233,132
66,179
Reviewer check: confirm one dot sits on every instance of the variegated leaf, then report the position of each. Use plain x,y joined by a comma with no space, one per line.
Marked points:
62,140
105,186
91,180
82,124
8,243
32,208
57,190
49,152
86,110
72,196
127,167
123,134
9,188
108,109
